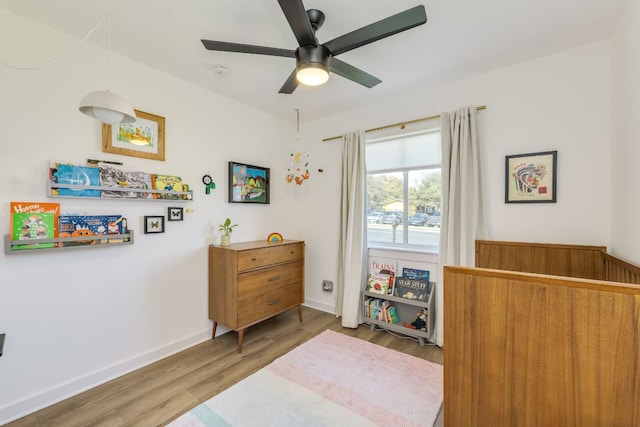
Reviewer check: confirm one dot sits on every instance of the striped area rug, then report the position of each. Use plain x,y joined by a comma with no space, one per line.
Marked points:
331,380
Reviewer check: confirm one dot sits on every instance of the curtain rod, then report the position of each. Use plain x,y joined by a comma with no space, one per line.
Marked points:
401,125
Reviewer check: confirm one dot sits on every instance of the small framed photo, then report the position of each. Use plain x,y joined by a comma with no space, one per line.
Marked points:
153,224
531,178
175,214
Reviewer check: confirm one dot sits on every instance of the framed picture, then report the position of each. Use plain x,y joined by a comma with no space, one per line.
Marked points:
153,224
248,183
142,138
531,178
175,214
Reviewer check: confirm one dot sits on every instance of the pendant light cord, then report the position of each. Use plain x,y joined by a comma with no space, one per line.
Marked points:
63,54
109,47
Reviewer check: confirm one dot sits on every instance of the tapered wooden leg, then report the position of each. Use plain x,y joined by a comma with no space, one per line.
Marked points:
240,338
300,313
213,333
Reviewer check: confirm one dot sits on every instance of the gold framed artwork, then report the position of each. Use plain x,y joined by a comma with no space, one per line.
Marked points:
142,138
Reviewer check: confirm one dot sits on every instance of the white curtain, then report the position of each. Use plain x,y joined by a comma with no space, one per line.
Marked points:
352,253
462,219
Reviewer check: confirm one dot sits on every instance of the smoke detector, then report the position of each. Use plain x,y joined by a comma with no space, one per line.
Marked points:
220,70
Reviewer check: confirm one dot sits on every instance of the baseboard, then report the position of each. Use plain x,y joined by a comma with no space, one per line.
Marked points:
20,408
327,308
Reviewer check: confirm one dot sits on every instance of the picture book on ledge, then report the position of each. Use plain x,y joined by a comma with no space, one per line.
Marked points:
414,273
62,173
31,226
413,289
36,207
382,275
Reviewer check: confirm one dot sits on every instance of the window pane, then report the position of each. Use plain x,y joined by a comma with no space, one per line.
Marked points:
386,200
424,208
403,190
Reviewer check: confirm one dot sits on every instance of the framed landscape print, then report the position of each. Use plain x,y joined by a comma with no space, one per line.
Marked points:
248,183
142,138
531,178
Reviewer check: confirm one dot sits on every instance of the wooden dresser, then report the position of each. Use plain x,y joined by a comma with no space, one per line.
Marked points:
253,281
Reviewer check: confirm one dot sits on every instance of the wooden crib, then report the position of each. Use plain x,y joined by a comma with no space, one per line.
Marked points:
536,335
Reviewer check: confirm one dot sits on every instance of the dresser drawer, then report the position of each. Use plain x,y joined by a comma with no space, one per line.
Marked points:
256,282
256,258
268,304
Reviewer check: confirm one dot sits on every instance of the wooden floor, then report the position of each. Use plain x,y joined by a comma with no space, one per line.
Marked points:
159,393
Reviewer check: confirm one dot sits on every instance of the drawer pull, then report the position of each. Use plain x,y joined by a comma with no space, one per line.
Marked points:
254,259
274,278
275,301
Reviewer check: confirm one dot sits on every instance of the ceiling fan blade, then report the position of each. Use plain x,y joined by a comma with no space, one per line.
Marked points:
298,21
352,73
248,48
378,30
290,85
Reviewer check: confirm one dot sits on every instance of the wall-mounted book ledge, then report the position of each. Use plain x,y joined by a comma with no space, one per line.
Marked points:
12,247
119,193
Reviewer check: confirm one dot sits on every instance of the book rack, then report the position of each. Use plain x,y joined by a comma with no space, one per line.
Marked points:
98,241
52,186
405,305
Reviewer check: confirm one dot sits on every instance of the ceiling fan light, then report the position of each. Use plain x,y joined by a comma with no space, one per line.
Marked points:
107,107
312,74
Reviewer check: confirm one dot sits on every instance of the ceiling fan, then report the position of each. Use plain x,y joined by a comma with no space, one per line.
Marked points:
315,60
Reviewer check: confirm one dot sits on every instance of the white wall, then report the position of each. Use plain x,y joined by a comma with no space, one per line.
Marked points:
77,318
559,102
626,136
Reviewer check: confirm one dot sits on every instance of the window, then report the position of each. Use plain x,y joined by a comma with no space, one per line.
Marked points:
403,191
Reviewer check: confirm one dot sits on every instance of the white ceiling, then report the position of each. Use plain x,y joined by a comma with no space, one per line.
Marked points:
461,38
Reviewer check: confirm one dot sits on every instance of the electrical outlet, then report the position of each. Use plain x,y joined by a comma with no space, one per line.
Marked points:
327,285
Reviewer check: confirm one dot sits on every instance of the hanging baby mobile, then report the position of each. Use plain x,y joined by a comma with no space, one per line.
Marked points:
298,168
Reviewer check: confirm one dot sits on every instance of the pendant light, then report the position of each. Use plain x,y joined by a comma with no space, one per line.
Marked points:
105,105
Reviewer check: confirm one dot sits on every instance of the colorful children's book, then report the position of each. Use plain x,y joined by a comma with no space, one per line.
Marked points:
414,273
76,175
79,226
31,227
37,207
413,289
384,266
169,183
392,314
378,283
122,180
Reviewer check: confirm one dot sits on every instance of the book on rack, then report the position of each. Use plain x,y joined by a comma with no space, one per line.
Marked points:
89,226
413,289
62,173
381,310
384,266
31,226
392,314
36,207
378,283
169,183
123,179
414,273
